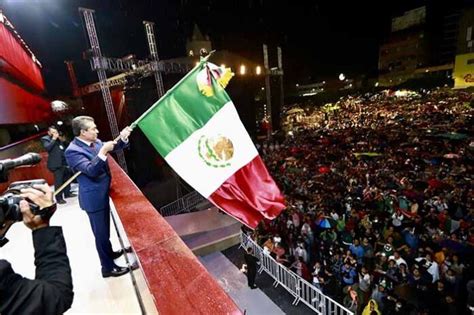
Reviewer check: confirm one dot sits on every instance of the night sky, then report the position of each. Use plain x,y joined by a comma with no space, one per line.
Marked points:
319,38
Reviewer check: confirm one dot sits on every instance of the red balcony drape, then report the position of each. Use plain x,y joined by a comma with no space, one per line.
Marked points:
18,106
18,63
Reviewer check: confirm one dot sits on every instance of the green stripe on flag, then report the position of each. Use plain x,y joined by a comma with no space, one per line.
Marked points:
181,112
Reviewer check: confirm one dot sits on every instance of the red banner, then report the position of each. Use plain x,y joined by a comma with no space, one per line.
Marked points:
18,63
18,106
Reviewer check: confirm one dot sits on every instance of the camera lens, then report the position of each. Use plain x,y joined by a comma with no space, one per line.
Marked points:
10,208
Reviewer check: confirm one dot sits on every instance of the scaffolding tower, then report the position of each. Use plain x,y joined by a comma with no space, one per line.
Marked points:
96,65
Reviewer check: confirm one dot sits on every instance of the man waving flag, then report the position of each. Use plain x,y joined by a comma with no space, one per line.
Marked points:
196,128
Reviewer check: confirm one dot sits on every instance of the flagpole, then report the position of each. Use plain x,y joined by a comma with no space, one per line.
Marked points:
203,60
134,124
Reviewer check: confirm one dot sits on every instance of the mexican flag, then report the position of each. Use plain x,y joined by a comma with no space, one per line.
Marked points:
196,128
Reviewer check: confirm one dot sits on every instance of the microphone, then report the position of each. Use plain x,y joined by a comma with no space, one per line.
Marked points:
26,159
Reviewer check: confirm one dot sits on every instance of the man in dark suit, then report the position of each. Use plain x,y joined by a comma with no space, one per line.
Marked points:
88,155
251,262
57,162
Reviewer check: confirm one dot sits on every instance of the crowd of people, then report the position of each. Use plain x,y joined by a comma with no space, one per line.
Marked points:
380,202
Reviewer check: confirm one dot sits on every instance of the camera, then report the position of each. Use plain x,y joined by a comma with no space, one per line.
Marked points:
10,206
10,212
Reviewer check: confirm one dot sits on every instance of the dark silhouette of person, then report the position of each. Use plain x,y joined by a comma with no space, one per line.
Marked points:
57,162
251,262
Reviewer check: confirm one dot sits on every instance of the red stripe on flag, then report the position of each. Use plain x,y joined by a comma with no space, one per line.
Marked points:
250,195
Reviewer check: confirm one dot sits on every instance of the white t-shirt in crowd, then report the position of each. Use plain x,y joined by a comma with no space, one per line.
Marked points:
399,261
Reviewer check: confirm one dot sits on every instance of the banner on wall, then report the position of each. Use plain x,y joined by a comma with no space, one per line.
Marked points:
464,71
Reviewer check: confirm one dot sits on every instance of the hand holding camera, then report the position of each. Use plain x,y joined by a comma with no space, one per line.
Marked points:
29,201
54,134
42,196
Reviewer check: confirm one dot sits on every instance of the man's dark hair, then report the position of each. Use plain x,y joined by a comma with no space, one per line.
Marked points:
80,123
53,127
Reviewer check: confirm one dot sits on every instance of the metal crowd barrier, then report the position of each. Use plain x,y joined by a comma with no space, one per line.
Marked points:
300,289
184,204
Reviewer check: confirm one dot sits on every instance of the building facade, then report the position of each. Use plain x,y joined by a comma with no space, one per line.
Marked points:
405,50
463,73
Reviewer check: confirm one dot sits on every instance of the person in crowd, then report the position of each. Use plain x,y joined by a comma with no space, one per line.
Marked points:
351,300
404,273
379,294
372,308
348,274
392,272
365,282
393,172
397,258
357,250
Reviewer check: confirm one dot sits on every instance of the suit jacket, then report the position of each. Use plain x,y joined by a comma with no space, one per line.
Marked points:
55,149
251,262
94,182
51,291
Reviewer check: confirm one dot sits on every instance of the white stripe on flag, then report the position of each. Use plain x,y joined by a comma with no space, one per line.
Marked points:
187,161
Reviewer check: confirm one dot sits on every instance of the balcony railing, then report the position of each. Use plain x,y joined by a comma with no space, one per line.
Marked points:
185,204
173,281
300,289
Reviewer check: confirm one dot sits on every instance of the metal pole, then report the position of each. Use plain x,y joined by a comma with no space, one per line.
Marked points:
267,91
96,62
73,78
280,67
150,36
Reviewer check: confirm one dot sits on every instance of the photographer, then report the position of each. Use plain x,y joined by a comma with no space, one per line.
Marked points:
51,291
55,145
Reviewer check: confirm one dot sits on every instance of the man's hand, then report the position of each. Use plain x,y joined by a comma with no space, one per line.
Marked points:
125,133
54,134
41,195
107,147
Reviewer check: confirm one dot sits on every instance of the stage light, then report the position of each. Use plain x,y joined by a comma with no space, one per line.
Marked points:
58,106
242,69
342,77
258,71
